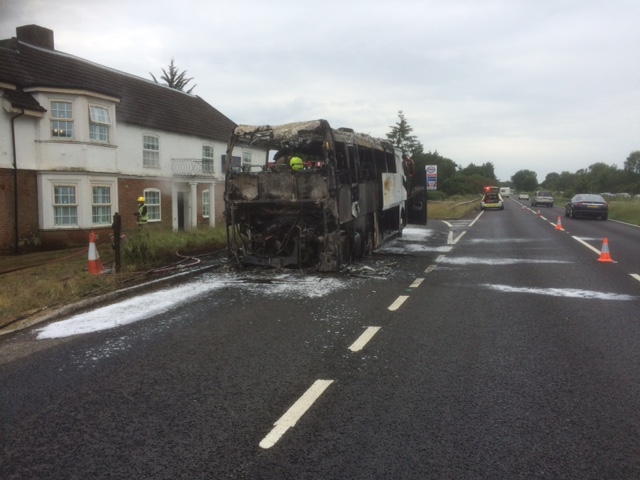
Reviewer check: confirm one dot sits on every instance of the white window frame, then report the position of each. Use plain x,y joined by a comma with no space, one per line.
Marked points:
206,203
246,161
207,158
72,206
154,210
150,156
69,121
99,119
95,205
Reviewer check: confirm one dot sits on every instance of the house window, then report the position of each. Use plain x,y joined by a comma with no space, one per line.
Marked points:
151,151
101,205
61,120
99,124
205,203
152,199
207,159
65,206
246,161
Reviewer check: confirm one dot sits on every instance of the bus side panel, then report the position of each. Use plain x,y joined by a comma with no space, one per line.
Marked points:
344,204
368,198
393,192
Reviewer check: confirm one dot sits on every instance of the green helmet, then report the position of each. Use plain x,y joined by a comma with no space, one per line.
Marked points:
296,163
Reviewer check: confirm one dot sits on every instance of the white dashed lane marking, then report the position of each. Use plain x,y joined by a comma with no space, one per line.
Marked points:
295,412
399,301
367,335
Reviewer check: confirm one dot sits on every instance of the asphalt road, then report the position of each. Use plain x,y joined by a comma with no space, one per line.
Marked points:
496,347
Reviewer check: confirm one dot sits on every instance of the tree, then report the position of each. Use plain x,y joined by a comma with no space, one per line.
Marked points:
525,180
173,79
486,170
632,163
400,136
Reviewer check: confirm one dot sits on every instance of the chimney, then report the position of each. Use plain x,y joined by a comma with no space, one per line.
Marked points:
35,35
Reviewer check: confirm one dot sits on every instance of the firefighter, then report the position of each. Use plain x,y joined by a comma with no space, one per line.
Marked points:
142,215
296,164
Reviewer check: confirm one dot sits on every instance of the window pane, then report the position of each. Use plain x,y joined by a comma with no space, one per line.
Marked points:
64,216
207,159
61,129
150,154
101,194
101,214
205,203
152,198
99,114
151,143
64,195
61,110
150,159
153,212
99,133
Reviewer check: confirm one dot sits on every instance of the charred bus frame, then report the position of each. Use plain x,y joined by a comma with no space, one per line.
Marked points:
348,199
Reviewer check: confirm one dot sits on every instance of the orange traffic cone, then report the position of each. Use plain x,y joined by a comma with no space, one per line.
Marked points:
559,224
604,255
95,265
539,214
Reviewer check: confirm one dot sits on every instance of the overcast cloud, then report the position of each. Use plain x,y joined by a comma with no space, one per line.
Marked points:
544,85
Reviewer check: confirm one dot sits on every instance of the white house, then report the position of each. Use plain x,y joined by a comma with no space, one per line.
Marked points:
80,142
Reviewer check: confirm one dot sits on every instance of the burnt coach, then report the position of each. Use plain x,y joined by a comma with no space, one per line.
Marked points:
320,198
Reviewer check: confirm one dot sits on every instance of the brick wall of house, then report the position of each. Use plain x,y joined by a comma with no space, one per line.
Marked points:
27,210
129,189
219,204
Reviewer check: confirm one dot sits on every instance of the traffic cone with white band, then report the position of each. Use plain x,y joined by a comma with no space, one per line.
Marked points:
95,264
559,224
604,254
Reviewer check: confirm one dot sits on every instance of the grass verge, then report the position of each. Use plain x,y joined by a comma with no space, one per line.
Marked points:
33,283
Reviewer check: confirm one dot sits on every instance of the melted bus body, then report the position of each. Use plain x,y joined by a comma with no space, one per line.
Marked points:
349,197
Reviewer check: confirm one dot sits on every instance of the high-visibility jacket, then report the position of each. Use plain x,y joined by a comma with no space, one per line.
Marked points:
143,216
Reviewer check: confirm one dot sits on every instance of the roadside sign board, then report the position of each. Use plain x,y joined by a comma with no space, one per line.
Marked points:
432,176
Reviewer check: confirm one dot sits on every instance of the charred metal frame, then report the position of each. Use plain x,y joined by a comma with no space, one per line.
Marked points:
349,197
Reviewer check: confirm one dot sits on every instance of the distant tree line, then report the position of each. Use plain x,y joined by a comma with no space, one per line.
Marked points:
456,180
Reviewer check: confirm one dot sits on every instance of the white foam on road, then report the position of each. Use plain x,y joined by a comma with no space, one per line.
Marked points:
493,261
149,304
562,292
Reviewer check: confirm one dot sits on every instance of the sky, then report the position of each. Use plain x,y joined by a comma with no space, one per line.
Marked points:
540,85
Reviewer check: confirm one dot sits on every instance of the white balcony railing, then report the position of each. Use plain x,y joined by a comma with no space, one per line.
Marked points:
190,167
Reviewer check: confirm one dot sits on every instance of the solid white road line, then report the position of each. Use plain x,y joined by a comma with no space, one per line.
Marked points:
636,276
416,283
295,412
364,339
586,244
476,219
399,301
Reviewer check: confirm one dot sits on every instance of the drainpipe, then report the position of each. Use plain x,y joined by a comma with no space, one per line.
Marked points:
15,180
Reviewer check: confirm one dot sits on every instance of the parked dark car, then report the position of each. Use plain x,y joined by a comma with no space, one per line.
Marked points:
587,205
